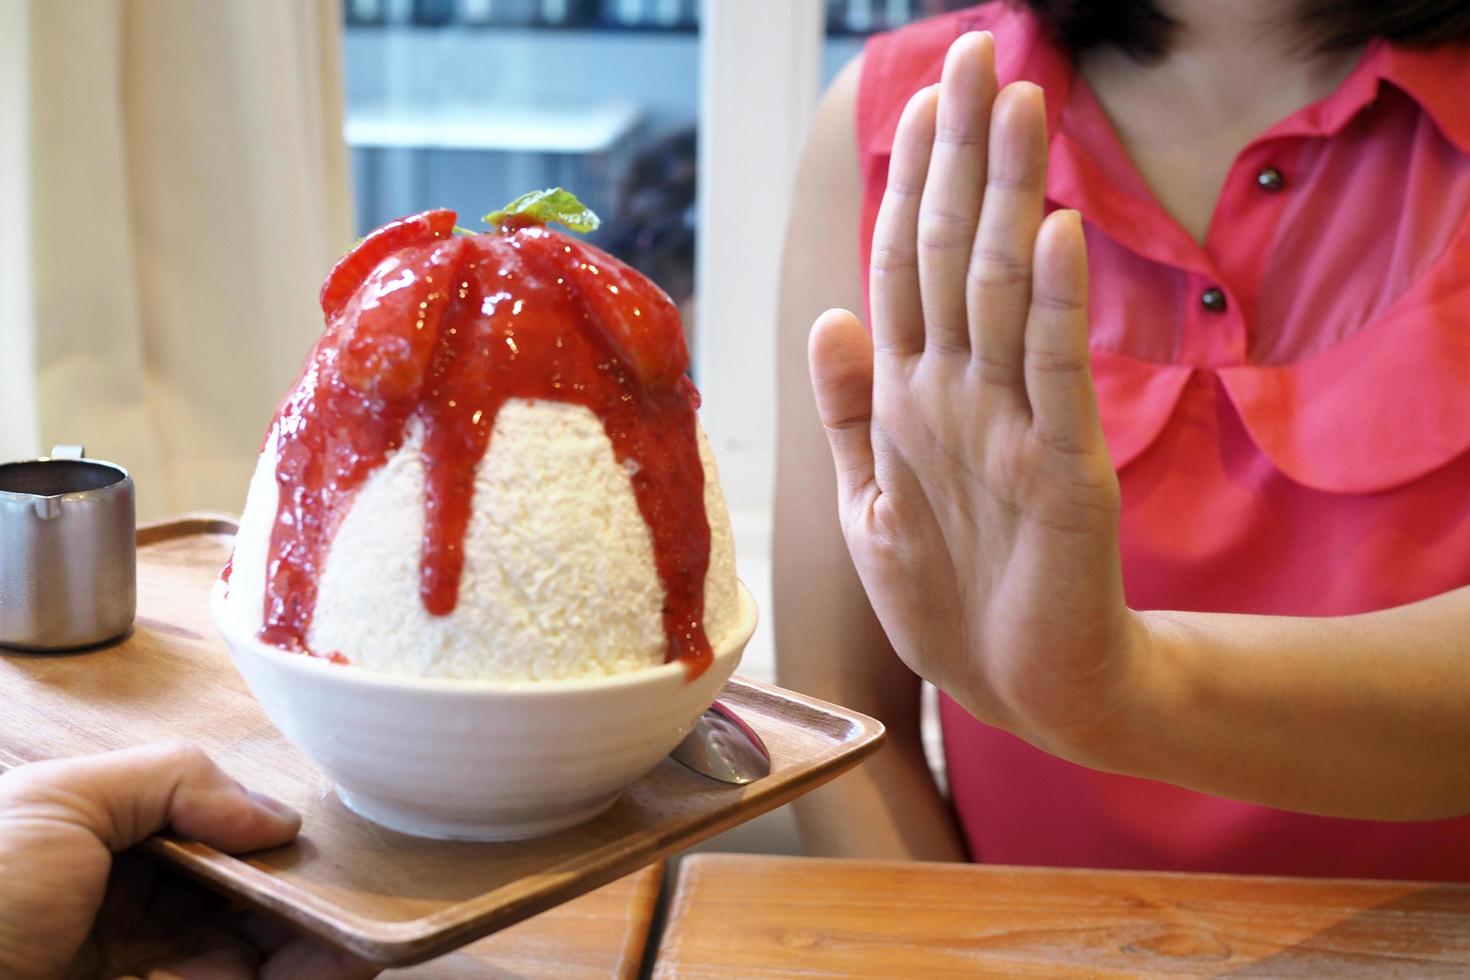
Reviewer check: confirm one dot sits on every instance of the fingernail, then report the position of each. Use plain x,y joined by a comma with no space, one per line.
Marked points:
272,804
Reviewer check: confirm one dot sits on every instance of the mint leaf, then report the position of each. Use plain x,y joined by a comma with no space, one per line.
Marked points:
544,207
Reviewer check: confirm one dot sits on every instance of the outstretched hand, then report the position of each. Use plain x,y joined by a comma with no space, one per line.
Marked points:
71,906
975,490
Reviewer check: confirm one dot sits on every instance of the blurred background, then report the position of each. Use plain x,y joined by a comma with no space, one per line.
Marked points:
464,101
176,177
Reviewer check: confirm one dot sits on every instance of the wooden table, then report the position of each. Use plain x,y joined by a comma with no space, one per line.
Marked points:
601,934
742,916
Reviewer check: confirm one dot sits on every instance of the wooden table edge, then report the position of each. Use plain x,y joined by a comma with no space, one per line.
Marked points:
698,880
962,867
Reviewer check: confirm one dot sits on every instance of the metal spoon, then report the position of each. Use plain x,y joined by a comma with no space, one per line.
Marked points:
723,747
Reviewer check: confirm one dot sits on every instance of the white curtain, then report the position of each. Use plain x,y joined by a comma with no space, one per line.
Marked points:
175,185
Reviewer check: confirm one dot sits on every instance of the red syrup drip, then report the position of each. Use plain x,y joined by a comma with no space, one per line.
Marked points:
444,331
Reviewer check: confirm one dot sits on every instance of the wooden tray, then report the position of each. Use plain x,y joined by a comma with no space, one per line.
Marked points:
387,897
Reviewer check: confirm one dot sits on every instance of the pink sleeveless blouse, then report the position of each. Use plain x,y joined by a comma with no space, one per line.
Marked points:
1288,408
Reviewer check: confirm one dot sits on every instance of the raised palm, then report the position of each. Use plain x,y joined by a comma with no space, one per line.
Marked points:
976,494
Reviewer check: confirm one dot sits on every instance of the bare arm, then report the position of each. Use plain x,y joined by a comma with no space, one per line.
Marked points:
981,510
1355,716
828,642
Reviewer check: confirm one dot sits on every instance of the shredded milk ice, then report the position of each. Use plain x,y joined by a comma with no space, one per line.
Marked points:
559,579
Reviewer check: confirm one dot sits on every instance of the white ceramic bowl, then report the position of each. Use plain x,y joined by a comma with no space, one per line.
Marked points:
477,760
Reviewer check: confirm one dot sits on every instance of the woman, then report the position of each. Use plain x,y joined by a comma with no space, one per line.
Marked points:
1274,210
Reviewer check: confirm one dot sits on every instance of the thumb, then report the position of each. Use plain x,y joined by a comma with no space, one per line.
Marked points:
122,797
840,357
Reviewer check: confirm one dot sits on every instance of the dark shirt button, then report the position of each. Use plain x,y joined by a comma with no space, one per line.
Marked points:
1213,300
1270,180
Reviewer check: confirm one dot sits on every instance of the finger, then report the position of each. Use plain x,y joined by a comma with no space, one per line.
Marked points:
893,271
124,796
840,357
1058,379
999,291
183,930
305,958
287,953
222,962
950,206
130,890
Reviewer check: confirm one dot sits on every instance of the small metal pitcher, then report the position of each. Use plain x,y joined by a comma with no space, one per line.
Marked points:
68,555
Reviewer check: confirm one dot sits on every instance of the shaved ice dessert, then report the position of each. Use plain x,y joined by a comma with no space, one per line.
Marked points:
490,466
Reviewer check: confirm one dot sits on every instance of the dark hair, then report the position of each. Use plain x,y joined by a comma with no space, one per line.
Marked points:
652,227
1142,29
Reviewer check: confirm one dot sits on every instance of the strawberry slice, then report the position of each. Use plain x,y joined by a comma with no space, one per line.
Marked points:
633,314
392,328
353,268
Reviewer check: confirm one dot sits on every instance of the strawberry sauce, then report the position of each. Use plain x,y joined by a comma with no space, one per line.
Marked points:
428,327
